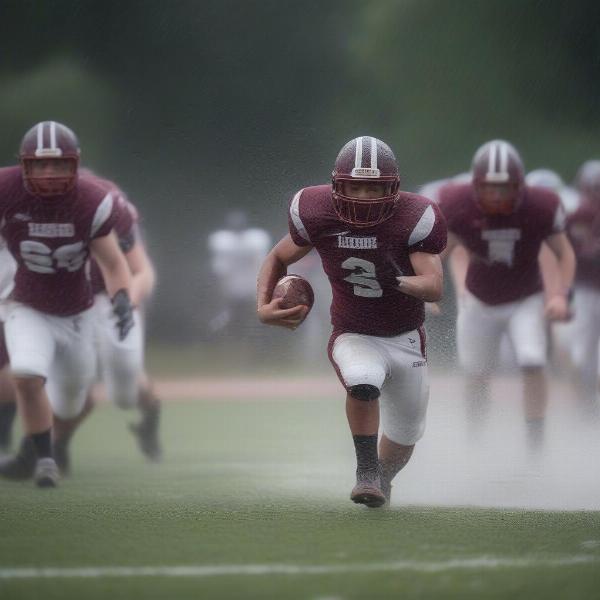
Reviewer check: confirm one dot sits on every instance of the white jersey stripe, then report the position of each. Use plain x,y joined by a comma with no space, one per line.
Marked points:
102,214
423,228
296,219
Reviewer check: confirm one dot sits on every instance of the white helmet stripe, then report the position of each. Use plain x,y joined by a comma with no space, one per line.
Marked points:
40,136
373,153
498,163
492,159
503,158
358,155
52,135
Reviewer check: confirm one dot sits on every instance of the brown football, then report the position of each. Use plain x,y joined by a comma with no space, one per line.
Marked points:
294,290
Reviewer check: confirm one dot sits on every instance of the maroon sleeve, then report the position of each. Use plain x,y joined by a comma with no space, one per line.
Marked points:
105,217
552,216
448,203
430,233
296,221
125,225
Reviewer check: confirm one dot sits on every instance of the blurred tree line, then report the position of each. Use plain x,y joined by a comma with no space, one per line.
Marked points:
195,106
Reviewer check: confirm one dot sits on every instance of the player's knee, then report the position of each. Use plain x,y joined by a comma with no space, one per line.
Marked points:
364,392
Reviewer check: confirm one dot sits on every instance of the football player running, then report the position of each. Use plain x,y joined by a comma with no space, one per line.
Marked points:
8,400
120,361
502,223
584,231
52,220
380,250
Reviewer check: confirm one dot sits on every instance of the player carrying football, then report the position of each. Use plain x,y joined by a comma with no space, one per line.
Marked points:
379,247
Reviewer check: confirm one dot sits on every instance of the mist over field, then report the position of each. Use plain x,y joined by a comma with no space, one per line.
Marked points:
211,115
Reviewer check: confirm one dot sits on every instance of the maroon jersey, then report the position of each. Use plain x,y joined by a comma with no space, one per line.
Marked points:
583,228
503,265
49,239
125,226
362,263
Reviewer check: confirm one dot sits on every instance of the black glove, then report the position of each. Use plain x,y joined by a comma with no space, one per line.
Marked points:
123,310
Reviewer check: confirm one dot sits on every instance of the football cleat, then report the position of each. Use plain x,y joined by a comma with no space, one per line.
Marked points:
146,433
46,473
21,466
368,491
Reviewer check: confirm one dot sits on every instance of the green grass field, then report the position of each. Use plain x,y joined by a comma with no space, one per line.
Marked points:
252,499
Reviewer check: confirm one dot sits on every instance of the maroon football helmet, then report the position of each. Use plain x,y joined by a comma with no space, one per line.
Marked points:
587,180
371,162
48,141
498,177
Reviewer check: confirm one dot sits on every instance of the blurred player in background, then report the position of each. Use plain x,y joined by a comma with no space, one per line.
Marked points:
379,248
120,363
502,223
52,221
236,253
8,400
584,231
560,333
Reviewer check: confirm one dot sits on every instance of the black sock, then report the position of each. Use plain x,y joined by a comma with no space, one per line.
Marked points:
366,454
42,443
8,412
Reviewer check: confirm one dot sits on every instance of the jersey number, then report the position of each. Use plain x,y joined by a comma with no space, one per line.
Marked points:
363,277
41,259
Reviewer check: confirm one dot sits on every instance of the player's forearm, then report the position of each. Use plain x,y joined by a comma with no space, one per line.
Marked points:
424,287
270,272
459,265
116,275
566,267
142,285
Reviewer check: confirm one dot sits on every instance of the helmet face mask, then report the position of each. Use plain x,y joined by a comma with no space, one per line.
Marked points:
365,182
497,198
49,156
49,177
498,178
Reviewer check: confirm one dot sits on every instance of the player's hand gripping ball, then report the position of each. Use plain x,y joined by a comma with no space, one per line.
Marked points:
294,290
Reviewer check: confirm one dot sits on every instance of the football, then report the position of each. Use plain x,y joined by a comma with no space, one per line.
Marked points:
294,290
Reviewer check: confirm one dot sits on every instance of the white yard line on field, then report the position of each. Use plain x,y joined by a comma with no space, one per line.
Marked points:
484,562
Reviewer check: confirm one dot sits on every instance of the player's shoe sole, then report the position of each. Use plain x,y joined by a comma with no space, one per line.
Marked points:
369,494
46,473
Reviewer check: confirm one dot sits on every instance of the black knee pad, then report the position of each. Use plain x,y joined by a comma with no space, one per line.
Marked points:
364,392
